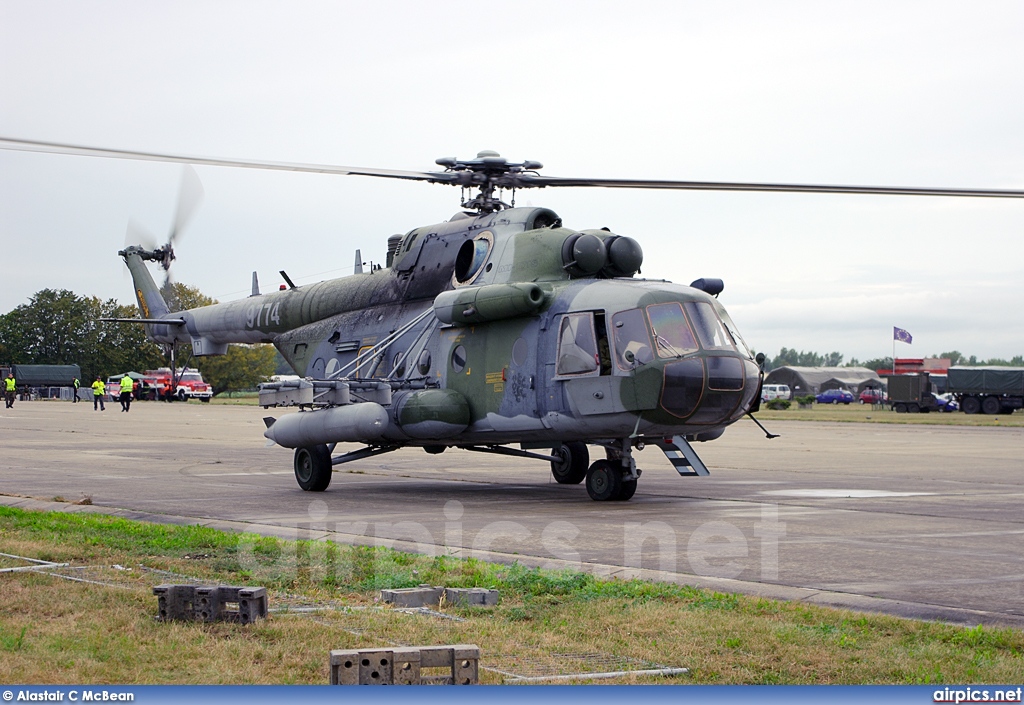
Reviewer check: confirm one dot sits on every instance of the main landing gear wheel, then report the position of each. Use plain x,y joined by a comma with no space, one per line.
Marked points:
571,466
313,468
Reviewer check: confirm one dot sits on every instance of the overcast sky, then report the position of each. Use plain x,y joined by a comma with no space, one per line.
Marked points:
869,93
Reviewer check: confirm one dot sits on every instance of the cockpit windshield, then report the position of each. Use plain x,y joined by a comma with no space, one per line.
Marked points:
710,331
672,334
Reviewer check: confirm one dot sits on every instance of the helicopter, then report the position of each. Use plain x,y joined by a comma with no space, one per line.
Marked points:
498,327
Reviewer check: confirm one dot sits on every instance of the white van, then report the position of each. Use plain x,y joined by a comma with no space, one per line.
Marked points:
774,391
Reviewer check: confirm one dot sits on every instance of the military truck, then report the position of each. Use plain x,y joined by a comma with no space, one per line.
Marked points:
911,393
993,390
46,375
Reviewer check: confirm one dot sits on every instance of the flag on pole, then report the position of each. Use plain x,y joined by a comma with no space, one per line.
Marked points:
901,335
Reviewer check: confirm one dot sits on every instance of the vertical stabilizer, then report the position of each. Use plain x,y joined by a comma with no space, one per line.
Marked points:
151,302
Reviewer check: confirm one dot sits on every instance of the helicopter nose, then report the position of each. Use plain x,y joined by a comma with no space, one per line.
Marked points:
724,393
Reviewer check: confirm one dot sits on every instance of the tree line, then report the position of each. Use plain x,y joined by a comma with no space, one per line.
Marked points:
798,358
59,327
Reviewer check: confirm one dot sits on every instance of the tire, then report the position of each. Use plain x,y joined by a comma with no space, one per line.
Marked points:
914,409
991,405
627,491
604,481
900,408
571,468
313,468
181,395
971,405
835,401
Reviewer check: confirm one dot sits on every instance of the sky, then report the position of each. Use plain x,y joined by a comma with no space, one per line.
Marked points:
915,93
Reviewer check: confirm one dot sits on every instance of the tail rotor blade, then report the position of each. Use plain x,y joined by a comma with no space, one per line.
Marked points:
136,234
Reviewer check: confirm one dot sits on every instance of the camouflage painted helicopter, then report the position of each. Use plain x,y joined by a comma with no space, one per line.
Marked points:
499,326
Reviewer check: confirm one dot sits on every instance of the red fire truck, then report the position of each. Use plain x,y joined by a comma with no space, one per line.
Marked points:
187,384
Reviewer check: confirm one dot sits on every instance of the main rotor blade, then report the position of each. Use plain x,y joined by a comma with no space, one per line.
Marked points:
519,180
80,150
533,180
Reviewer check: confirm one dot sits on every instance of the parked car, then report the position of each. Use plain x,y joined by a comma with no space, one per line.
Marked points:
946,402
775,391
872,396
834,396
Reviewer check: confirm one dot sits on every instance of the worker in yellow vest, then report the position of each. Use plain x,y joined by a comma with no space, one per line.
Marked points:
10,385
127,384
98,390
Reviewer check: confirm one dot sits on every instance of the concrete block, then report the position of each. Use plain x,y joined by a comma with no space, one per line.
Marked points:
344,667
211,603
407,665
226,603
175,602
404,665
413,597
471,597
465,664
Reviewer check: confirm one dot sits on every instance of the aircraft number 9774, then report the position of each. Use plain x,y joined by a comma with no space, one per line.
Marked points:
262,316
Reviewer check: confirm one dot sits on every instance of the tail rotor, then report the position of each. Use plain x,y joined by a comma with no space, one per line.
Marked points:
190,195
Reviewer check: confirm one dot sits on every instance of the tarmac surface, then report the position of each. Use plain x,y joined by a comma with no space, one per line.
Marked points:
916,521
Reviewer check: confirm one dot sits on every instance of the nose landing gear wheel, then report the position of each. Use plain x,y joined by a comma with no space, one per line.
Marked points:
627,491
604,480
313,468
571,466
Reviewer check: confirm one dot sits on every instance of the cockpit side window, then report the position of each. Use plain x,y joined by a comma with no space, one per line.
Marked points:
734,332
577,345
672,334
632,342
710,331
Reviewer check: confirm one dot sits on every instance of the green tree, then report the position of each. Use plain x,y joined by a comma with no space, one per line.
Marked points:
954,356
243,367
58,327
794,358
878,363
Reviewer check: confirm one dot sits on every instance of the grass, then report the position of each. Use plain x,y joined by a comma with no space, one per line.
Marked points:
864,413
243,398
56,631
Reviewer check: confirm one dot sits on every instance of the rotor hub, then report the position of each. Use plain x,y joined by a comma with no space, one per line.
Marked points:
488,172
